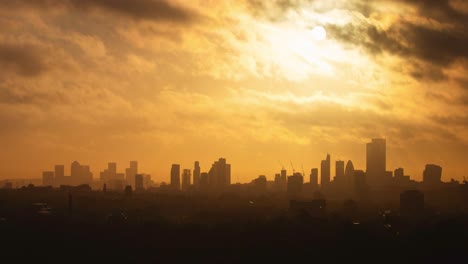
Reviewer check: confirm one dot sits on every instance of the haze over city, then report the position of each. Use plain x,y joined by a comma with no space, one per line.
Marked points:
261,83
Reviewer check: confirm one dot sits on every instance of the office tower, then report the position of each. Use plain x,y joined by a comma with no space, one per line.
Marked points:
219,175
186,179
80,174
314,178
112,170
325,171
284,178
131,172
295,183
349,171
48,178
228,174
87,175
339,169
175,176
196,174
376,161
204,180
277,181
59,174
432,174
75,170
399,173
139,186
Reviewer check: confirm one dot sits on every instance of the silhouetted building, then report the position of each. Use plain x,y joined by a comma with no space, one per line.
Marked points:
432,174
204,182
339,169
295,183
48,178
260,184
196,174
399,173
186,179
360,185
175,176
139,184
131,172
111,171
325,171
59,172
284,177
314,178
411,203
349,171
376,161
80,174
219,176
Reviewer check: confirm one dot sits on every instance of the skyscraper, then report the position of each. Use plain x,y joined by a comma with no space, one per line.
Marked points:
175,176
112,170
295,183
314,178
325,171
48,178
432,174
349,171
131,172
139,186
339,169
219,174
186,179
196,174
76,171
284,178
376,161
59,174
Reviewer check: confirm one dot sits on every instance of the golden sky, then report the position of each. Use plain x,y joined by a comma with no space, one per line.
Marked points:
166,82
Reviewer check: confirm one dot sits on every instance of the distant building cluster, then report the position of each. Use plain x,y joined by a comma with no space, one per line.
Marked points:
347,182
110,178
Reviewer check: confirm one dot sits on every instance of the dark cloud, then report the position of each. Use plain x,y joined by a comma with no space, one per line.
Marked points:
427,49
26,60
155,10
274,10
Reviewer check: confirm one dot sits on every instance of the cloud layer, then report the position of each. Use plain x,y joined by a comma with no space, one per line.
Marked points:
174,81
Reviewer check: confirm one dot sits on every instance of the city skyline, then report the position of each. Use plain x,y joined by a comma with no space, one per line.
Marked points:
219,176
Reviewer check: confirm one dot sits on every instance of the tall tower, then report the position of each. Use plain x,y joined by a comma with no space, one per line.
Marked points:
339,169
325,171
175,176
59,174
186,179
131,172
219,174
139,186
196,174
314,177
376,161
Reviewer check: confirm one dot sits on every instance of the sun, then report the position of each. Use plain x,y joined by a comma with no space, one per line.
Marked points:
319,33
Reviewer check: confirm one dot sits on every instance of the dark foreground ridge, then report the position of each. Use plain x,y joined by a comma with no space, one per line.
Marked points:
51,225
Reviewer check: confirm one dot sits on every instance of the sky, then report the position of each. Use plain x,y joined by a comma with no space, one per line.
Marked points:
252,81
